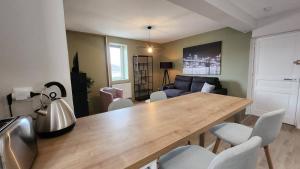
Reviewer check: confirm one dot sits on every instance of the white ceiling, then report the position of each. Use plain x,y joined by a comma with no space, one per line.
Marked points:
255,8
172,19
128,18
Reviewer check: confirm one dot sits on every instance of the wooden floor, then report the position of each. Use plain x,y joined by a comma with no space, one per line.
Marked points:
285,151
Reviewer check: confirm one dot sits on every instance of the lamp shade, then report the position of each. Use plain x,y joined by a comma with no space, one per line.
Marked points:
166,65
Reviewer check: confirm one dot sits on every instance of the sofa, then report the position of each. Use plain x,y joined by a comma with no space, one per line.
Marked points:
108,95
190,84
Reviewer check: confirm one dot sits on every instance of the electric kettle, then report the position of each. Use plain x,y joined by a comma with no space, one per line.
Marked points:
55,117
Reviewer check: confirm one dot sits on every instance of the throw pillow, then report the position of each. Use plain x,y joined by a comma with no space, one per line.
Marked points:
207,88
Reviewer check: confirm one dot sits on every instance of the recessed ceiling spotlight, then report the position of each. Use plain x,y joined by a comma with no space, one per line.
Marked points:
267,9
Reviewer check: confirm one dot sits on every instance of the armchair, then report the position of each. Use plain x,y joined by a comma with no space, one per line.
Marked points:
108,95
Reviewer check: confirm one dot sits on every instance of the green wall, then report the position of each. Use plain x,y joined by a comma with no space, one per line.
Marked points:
234,66
92,60
235,57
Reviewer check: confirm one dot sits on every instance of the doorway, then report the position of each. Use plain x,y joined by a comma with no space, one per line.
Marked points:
276,75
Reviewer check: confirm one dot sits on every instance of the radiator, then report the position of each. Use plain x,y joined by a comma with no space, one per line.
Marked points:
126,87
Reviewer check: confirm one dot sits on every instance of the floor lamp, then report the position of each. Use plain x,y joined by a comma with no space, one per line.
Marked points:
166,66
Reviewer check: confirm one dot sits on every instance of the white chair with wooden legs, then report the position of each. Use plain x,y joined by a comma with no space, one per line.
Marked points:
120,104
195,157
267,127
157,96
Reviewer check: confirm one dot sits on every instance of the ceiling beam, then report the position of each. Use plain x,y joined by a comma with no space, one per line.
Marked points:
223,12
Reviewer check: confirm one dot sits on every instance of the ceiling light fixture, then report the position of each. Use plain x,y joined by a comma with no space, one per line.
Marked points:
149,48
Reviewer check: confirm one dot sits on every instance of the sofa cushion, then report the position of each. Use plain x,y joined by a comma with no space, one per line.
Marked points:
198,83
183,82
174,92
185,93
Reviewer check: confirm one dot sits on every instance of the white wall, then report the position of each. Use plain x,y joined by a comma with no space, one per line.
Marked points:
285,22
33,48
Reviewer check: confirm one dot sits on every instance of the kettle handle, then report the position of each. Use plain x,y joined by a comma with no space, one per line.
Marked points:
59,85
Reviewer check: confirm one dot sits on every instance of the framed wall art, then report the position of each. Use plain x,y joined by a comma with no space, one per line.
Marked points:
203,59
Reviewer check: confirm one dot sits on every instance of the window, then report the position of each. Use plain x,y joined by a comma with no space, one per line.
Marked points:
118,62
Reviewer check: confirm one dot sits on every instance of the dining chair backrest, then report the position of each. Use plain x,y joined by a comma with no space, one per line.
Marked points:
119,104
241,156
268,126
159,95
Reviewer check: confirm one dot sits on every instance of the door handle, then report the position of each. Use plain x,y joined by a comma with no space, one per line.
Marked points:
297,62
289,79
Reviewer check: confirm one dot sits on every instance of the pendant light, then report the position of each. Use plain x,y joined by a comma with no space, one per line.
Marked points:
149,48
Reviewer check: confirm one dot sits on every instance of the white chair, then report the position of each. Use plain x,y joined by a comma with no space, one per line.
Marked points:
243,156
159,95
120,104
267,127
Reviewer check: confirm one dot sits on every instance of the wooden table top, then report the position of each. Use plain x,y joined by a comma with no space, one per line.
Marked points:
135,136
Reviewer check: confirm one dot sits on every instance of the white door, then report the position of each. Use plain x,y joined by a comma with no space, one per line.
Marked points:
276,76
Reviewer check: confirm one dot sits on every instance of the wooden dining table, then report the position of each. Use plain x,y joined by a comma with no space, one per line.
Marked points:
134,136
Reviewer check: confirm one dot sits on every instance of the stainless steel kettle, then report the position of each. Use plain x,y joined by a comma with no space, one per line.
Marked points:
54,117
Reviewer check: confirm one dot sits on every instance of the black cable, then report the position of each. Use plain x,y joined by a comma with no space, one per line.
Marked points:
32,94
9,102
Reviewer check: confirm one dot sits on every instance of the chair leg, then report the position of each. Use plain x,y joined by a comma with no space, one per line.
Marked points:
267,152
218,141
202,139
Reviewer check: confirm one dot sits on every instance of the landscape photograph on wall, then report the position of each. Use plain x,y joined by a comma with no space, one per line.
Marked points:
203,59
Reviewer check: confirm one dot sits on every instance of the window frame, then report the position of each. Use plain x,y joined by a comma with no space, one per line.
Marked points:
124,63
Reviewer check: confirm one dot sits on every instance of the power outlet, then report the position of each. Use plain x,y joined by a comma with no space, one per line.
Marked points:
21,93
